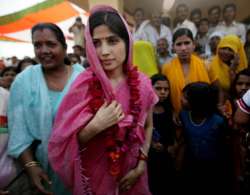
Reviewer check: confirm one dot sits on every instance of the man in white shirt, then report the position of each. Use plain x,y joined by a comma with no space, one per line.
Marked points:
196,16
163,54
155,30
78,29
140,23
229,25
182,18
214,15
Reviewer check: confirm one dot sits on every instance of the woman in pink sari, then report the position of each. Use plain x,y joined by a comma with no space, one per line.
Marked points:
103,128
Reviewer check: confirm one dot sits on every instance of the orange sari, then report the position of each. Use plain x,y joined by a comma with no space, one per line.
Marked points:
174,72
220,71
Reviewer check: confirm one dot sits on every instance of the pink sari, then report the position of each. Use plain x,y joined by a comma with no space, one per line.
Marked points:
85,171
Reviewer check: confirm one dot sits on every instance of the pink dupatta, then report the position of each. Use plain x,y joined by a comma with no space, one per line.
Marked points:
83,171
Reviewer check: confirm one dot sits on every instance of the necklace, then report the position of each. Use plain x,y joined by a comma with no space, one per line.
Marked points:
194,123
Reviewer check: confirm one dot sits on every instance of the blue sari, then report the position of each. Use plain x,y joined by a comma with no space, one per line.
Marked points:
31,114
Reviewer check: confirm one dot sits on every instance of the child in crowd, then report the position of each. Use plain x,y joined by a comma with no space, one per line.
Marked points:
204,133
240,137
239,86
160,163
7,76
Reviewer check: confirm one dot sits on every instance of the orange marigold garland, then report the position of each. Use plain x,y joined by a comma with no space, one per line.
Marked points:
115,147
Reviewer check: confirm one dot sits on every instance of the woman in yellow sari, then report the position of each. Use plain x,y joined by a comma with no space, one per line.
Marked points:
185,68
144,57
229,60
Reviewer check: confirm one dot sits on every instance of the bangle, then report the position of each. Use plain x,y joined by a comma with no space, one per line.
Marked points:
31,164
142,151
143,155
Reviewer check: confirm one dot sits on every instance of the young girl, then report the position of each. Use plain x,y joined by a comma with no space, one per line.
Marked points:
160,163
204,134
240,85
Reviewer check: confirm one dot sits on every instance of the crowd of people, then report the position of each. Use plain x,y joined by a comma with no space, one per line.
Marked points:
152,109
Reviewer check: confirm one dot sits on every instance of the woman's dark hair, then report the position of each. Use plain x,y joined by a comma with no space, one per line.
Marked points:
167,103
158,77
7,69
25,60
114,23
233,93
182,31
202,97
54,28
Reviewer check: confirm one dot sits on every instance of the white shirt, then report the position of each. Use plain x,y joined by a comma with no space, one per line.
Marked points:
78,35
150,34
187,24
138,33
244,102
235,28
246,98
4,95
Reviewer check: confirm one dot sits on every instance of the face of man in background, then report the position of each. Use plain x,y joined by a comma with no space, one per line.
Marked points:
195,18
78,51
138,17
156,20
162,47
229,14
182,13
214,16
203,27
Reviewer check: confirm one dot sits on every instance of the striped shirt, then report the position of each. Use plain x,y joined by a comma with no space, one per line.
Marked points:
244,102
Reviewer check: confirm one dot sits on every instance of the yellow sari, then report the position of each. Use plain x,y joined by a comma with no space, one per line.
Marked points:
218,70
174,72
144,57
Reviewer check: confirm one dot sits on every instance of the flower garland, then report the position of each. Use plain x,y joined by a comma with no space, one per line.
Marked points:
116,147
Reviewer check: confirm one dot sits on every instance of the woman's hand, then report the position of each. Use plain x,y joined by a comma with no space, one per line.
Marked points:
233,68
235,61
39,177
176,120
172,150
157,146
108,115
132,176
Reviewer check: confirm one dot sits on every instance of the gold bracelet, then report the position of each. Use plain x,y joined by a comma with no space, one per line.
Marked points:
31,164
